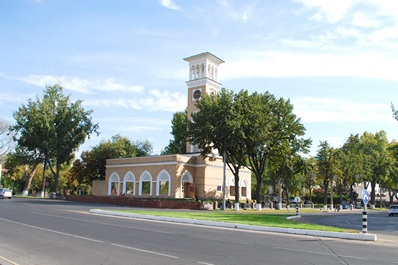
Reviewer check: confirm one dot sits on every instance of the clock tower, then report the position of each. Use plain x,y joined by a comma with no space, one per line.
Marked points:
203,78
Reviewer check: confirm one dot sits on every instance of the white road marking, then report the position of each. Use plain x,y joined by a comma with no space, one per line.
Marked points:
54,231
146,251
101,223
204,263
9,261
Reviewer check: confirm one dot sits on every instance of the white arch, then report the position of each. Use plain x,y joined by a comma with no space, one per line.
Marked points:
128,177
113,178
243,183
186,177
163,176
231,182
145,177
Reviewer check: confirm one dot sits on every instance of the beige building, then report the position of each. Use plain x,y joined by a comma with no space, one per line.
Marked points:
181,175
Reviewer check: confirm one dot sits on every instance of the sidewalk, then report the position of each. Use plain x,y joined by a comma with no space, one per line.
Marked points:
353,236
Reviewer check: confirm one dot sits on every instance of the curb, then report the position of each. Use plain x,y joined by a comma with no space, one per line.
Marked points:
352,236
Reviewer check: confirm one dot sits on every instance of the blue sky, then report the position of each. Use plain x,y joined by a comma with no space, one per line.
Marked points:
335,60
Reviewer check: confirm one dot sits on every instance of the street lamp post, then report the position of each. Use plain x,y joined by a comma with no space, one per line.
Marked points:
224,181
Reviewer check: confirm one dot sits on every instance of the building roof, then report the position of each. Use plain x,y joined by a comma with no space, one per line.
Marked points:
207,55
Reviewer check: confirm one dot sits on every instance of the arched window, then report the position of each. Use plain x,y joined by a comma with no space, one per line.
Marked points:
243,186
145,183
114,184
163,183
231,185
129,184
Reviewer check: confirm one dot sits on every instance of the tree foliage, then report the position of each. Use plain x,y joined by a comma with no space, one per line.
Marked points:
92,164
53,127
248,129
273,139
218,126
377,159
327,164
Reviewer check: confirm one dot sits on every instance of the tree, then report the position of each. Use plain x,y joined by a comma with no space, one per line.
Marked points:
247,129
29,160
92,164
272,132
391,182
377,159
327,168
218,126
352,163
309,172
53,126
179,130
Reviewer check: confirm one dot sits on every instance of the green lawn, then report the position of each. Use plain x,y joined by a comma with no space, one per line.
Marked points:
264,218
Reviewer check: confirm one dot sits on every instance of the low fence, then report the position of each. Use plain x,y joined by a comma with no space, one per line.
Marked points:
137,202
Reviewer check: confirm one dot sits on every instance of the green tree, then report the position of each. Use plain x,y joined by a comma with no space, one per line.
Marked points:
376,158
327,167
309,172
218,125
54,126
351,163
391,182
271,132
29,160
179,130
92,164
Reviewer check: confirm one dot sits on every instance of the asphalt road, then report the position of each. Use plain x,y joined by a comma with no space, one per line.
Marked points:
379,223
58,232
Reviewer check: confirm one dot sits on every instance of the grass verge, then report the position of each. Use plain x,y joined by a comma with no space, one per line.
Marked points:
250,218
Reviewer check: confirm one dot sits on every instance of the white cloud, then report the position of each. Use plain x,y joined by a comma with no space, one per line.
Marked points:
80,85
362,19
337,110
311,64
155,101
327,11
237,13
169,4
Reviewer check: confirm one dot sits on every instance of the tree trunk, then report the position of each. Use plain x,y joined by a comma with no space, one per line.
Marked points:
257,193
237,195
28,178
325,194
373,194
351,193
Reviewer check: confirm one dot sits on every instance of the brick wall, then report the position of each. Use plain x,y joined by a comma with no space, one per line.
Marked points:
137,202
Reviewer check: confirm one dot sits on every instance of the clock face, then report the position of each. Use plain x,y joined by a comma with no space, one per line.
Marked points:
197,94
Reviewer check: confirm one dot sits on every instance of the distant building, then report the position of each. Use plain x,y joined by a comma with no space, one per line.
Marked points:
180,175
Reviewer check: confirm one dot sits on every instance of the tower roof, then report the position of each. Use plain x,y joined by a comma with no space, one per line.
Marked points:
204,55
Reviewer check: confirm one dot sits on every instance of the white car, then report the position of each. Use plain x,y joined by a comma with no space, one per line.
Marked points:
393,210
5,193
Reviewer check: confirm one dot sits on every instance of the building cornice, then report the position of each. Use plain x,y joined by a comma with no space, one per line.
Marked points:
203,82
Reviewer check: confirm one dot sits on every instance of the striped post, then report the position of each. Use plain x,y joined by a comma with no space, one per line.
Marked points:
297,208
364,222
